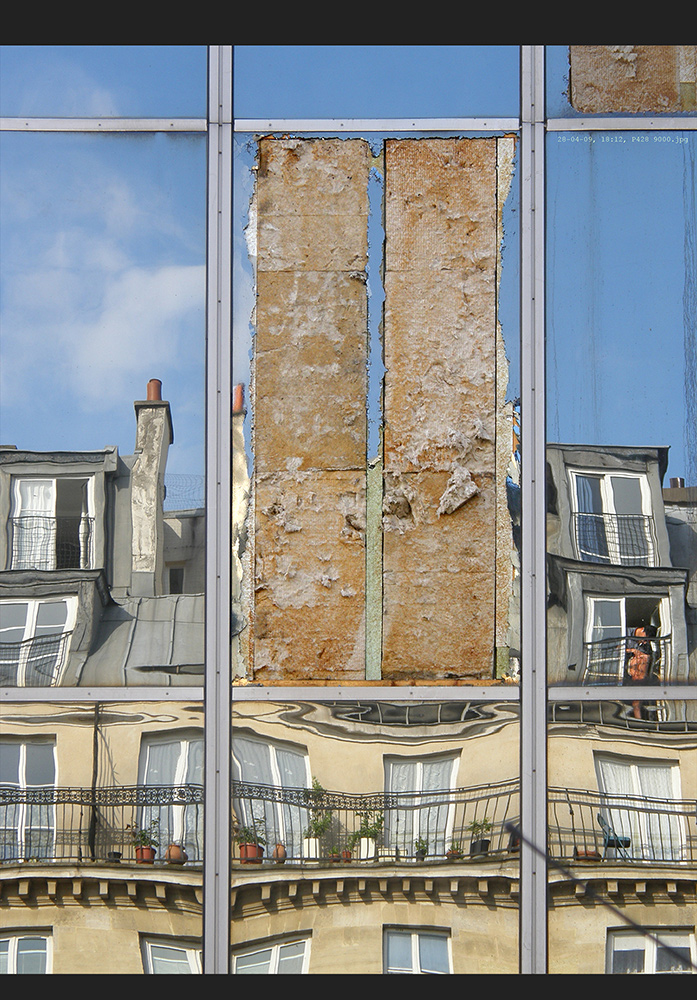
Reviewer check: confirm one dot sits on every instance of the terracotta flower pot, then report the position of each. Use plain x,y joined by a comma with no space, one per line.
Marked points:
176,855
145,855
280,854
251,854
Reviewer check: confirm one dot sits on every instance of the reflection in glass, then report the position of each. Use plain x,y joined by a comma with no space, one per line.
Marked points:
103,81
376,505
621,817
370,799
622,543
101,810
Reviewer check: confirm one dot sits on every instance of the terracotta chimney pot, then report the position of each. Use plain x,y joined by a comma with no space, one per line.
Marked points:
154,390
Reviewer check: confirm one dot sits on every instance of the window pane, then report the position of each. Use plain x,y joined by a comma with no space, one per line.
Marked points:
255,964
375,81
31,956
169,961
103,81
433,952
41,768
290,958
399,951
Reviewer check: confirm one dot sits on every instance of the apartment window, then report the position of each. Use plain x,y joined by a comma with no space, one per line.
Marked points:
174,763
27,827
290,957
641,806
425,809
51,524
416,951
624,632
34,641
163,956
259,768
613,520
26,954
629,952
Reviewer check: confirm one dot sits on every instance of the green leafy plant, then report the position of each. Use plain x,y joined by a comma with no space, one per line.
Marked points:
421,845
372,822
455,847
320,816
248,835
148,836
479,827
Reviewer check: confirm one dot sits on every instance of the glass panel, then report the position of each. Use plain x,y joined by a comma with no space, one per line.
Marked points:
31,956
290,958
255,963
169,961
620,816
455,767
622,302
4,956
86,813
103,81
620,79
375,81
398,948
384,472
110,230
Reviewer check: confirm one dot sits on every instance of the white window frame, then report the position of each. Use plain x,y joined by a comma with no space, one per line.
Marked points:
670,936
631,821
86,550
420,814
33,606
275,946
607,497
590,603
22,810
181,777
191,951
415,933
16,936
278,808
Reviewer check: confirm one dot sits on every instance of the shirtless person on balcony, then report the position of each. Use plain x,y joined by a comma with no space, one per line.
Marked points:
638,670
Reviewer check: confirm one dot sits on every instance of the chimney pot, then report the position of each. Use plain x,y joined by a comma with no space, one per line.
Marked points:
154,390
677,482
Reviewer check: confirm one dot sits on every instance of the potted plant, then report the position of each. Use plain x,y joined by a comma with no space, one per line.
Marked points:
176,855
320,820
334,855
420,848
145,841
366,836
454,851
279,853
251,845
479,844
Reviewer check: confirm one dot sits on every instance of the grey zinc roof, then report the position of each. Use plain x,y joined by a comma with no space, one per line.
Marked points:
148,641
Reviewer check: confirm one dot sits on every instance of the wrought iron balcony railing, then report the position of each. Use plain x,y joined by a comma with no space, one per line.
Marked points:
36,662
618,539
606,660
593,826
85,824
393,825
40,542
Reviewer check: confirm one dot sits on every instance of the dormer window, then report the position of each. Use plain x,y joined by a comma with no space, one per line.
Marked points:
51,523
613,519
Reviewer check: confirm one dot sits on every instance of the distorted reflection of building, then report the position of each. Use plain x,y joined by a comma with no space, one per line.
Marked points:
622,599
372,837
99,584
85,790
622,822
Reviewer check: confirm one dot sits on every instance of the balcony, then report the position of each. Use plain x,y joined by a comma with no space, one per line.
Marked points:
96,825
617,539
591,826
36,662
48,543
328,827
605,660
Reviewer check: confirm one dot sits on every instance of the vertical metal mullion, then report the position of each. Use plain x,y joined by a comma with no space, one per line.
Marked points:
533,874
216,882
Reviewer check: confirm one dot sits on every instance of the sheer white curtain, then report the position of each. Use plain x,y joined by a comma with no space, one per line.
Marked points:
416,781
655,831
34,525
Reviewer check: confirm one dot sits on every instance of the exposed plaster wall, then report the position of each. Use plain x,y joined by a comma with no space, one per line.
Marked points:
632,78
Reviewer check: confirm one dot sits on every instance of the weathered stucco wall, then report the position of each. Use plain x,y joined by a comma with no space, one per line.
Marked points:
632,78
443,480
310,410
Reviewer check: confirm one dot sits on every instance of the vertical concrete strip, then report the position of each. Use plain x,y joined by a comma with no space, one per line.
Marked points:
373,572
439,513
310,410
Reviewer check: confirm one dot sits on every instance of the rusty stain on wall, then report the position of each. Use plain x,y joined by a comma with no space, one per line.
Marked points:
446,535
